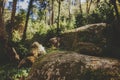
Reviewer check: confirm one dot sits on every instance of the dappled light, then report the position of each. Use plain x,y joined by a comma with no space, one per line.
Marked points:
59,39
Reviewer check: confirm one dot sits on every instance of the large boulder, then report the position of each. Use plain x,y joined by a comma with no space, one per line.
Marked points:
86,39
74,66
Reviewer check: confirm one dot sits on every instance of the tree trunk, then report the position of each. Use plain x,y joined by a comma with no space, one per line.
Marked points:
52,17
5,49
13,11
89,6
69,10
58,23
116,8
97,2
27,19
116,25
80,6
3,35
12,18
2,28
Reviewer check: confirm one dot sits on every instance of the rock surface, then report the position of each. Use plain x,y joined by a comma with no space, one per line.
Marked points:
74,66
90,38
37,49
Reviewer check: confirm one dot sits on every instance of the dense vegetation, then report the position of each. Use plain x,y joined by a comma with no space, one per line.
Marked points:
44,19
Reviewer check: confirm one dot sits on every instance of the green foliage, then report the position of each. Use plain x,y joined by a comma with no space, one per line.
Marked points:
71,23
94,17
36,27
19,73
80,20
16,36
20,16
10,72
67,24
103,13
22,49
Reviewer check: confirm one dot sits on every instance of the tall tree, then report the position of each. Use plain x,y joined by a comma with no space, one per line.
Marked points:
6,51
69,9
3,35
12,17
116,8
58,23
80,6
88,5
27,19
2,27
13,11
52,17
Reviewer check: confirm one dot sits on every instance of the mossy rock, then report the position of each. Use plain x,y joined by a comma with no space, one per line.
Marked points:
88,48
93,34
74,66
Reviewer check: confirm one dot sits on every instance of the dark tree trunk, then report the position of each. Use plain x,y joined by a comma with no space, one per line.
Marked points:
12,18
3,35
116,8
52,17
4,1
27,19
80,6
58,23
69,10
113,2
89,6
5,48
2,27
97,2
116,25
13,11
1,12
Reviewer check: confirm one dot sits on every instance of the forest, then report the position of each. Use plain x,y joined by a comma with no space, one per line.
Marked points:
59,39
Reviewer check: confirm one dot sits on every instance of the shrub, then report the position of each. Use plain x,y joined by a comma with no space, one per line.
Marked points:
80,20
10,72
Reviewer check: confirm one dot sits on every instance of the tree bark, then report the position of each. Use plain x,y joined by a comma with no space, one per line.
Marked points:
97,2
27,19
116,8
2,27
12,18
3,35
89,6
52,17
87,3
80,6
13,11
69,10
58,23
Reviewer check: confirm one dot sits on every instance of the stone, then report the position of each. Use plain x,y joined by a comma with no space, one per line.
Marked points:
37,49
74,66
